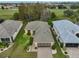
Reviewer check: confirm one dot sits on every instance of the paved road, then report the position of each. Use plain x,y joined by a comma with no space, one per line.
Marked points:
44,52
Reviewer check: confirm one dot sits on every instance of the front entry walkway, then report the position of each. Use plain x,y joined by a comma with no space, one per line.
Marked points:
44,52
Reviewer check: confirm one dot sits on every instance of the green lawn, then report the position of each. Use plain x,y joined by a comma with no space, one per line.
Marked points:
17,50
7,13
59,12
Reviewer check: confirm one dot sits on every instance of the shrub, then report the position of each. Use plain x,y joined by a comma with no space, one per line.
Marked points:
1,49
50,22
62,7
54,46
29,33
68,13
16,16
35,47
65,52
53,15
26,48
2,7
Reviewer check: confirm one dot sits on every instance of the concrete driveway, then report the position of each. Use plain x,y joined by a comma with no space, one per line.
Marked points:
73,52
44,52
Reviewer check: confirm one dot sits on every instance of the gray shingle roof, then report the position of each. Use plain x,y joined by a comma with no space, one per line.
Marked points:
66,30
11,26
42,31
3,32
8,28
32,25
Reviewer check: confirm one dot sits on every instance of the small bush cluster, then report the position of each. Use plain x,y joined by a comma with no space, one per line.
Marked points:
54,46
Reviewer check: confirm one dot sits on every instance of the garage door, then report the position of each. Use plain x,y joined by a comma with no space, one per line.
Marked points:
71,45
44,44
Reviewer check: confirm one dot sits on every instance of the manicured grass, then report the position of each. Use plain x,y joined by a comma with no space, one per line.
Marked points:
59,12
17,50
7,13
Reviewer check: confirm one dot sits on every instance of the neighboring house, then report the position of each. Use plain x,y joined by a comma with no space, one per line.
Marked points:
9,30
41,33
67,33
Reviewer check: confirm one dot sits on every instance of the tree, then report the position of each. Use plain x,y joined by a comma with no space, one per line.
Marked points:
77,19
52,18
69,13
16,16
2,7
45,15
62,7
77,11
22,12
31,11
76,15
74,6
53,15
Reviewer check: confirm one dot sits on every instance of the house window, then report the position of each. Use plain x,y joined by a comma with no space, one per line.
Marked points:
71,44
33,32
5,40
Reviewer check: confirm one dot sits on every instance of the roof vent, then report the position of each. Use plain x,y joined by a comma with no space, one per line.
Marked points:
77,34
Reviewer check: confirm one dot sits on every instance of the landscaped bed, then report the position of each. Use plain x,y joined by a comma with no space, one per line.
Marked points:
56,46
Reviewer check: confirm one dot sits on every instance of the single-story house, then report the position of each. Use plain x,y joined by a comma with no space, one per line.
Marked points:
41,33
67,33
9,30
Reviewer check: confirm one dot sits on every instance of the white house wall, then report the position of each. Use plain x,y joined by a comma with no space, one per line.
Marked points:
10,39
35,44
56,30
15,34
